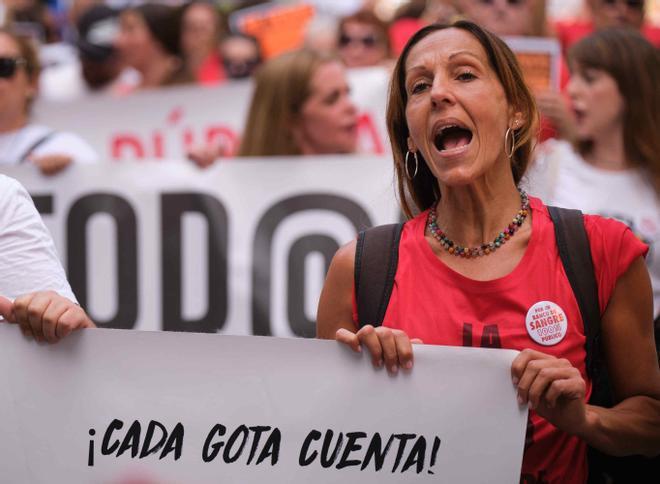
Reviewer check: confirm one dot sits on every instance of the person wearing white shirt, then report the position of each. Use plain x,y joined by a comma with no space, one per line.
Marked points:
20,140
613,167
34,291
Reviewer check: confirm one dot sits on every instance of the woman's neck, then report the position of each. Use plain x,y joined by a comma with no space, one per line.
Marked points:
608,151
473,215
12,123
158,71
196,58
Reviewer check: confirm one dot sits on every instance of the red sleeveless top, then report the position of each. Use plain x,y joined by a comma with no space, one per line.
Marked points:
531,307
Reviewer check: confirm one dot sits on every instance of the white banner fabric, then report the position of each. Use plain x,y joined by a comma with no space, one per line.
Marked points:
165,123
112,407
240,248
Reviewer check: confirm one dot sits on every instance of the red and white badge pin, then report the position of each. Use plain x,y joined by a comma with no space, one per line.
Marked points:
546,323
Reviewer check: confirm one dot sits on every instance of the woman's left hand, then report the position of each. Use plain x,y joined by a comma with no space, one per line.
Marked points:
553,387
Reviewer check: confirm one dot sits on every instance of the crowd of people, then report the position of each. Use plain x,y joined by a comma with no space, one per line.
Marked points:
475,149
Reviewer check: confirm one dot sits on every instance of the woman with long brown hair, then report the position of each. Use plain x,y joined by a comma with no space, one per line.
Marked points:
476,248
301,105
149,42
613,168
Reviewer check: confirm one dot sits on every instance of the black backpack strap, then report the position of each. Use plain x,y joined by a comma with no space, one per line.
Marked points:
575,254
376,259
35,145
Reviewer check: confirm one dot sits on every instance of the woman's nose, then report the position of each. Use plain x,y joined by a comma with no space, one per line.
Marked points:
441,93
349,106
573,87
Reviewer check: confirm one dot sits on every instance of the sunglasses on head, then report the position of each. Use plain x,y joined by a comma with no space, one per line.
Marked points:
368,41
8,66
636,4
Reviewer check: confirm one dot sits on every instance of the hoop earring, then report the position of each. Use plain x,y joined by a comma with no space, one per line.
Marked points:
414,153
510,152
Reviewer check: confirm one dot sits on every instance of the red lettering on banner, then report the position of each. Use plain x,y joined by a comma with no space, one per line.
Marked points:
224,137
175,115
188,138
126,141
366,125
157,138
155,145
130,146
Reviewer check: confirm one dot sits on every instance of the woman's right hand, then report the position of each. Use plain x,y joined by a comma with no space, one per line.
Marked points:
553,106
391,347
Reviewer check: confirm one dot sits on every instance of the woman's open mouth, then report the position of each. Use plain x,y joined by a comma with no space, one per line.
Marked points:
452,139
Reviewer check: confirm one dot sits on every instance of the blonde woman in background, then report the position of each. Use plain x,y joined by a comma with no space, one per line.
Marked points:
300,106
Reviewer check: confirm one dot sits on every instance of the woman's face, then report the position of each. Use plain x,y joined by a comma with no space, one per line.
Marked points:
327,123
16,89
457,111
597,102
199,30
360,45
135,44
617,13
502,17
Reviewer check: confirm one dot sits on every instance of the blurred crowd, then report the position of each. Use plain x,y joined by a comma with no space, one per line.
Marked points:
70,49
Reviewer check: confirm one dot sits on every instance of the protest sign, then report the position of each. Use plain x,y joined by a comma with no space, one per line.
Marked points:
540,60
240,248
111,406
278,28
167,122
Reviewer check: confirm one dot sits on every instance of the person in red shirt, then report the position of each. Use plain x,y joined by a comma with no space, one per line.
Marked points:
604,14
462,124
200,40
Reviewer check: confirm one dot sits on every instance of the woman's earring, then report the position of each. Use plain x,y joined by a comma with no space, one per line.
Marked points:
507,144
414,153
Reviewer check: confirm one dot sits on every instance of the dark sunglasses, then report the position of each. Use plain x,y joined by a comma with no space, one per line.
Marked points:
636,4
240,69
368,41
8,66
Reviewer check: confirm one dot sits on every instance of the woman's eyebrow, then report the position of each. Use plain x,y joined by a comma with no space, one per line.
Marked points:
451,57
464,52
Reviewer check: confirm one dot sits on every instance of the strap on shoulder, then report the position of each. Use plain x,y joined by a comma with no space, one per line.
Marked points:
376,259
41,140
575,253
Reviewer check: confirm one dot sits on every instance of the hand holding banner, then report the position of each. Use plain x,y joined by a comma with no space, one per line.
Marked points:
105,405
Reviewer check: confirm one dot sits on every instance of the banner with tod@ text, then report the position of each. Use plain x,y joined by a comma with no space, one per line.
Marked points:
119,407
240,248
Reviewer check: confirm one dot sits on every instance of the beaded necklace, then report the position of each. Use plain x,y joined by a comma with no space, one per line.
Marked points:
484,249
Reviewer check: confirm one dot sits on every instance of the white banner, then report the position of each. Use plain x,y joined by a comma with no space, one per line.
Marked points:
113,407
240,248
166,122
